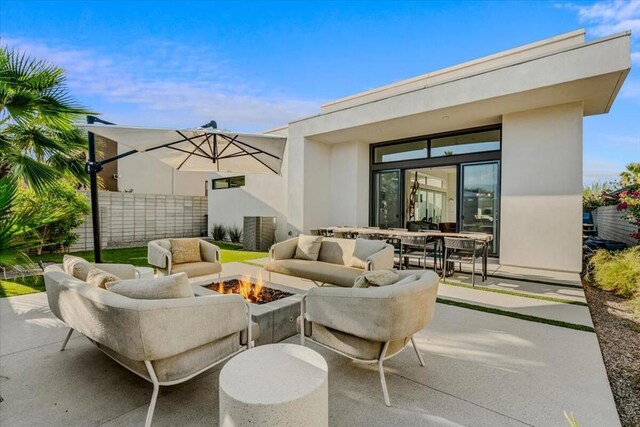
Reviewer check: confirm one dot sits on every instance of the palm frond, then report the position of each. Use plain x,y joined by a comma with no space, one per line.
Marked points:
25,168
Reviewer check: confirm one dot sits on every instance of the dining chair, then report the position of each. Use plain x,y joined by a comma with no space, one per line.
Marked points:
460,250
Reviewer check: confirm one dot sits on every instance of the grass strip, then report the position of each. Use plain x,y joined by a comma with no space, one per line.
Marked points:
542,282
515,293
520,316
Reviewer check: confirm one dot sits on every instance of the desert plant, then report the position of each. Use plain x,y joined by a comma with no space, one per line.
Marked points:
618,272
235,233
218,232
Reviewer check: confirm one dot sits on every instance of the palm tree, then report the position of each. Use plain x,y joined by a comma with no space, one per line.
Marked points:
38,142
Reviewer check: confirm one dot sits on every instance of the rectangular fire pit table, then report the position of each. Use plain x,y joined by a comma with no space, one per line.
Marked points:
276,319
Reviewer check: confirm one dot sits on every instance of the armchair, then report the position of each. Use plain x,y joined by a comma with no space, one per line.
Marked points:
159,255
372,324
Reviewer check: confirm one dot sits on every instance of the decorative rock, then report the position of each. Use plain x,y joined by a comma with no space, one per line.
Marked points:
275,385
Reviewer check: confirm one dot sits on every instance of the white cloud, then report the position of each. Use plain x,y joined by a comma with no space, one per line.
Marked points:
168,84
609,17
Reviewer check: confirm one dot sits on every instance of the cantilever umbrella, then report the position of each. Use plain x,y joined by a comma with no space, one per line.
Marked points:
203,149
200,149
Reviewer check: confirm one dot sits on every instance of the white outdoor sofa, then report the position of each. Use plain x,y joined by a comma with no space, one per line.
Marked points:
372,324
164,341
333,264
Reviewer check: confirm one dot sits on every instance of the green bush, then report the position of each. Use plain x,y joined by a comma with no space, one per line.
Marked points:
218,232
618,272
55,235
235,233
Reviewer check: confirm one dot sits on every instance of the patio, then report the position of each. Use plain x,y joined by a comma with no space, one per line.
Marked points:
482,368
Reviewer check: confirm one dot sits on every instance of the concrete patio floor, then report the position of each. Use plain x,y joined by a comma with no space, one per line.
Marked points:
482,369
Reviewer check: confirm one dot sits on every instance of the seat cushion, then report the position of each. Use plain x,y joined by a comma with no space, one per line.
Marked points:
308,247
100,278
315,270
174,286
195,269
350,345
182,365
363,249
185,250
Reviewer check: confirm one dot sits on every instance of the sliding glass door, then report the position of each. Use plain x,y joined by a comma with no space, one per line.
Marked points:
387,199
479,211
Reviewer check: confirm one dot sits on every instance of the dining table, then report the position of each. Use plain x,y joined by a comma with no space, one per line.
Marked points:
482,238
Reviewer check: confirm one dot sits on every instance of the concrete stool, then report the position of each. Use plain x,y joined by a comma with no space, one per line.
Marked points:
275,385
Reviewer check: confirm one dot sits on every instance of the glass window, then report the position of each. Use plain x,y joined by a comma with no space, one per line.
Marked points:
231,182
465,144
403,151
236,181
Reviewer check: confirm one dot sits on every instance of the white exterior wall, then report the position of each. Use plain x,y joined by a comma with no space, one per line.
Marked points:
541,202
146,175
349,178
262,195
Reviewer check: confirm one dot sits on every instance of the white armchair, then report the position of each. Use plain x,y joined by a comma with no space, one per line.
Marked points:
159,255
370,324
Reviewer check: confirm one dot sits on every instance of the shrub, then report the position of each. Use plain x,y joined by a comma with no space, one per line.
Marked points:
619,272
218,232
58,234
235,233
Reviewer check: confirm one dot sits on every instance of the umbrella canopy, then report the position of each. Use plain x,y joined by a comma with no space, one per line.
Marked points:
201,149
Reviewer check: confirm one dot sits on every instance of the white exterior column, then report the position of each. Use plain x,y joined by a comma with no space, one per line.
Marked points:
541,201
349,180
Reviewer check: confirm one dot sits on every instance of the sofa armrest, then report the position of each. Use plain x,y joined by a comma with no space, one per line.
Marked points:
283,250
209,252
381,260
158,256
123,271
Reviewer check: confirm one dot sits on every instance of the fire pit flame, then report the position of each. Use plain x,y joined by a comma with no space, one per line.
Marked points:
253,291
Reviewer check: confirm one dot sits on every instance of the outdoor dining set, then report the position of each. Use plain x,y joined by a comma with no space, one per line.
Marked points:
444,248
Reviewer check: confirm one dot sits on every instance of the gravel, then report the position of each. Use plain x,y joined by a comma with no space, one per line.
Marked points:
619,337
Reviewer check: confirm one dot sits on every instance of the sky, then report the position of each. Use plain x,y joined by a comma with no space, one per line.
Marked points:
252,66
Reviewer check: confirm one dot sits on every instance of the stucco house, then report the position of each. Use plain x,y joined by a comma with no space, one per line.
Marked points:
491,145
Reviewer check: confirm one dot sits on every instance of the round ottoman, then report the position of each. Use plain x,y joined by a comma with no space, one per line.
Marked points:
275,385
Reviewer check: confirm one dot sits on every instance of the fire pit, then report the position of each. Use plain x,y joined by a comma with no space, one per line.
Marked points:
256,292
274,307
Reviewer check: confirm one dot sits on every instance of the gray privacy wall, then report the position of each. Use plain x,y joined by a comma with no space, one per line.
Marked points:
127,218
611,225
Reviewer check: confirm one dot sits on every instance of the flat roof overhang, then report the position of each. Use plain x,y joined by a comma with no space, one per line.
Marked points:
591,73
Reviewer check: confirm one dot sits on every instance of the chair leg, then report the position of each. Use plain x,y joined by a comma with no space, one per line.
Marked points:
383,381
66,340
415,347
154,396
473,271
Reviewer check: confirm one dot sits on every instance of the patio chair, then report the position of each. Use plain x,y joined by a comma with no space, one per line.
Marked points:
461,250
370,325
420,248
160,255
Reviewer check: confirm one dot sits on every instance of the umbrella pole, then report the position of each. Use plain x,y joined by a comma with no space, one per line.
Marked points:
93,187
93,167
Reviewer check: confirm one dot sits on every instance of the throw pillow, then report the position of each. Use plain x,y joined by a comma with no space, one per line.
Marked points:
100,278
376,278
76,266
363,249
174,286
185,250
308,247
